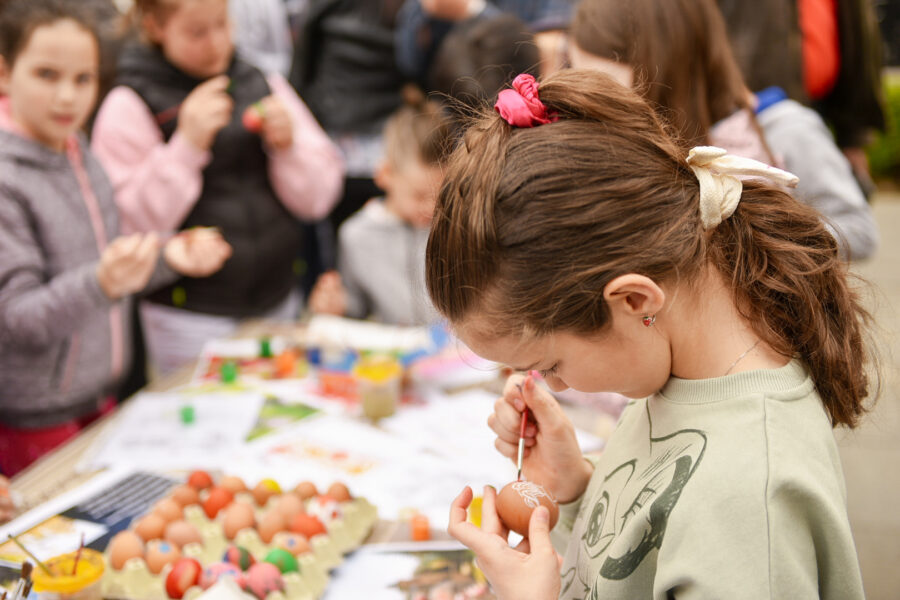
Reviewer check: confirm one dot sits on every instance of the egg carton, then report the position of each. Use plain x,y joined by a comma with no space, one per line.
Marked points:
135,581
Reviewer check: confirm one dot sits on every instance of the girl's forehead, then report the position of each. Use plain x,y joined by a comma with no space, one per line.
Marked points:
64,41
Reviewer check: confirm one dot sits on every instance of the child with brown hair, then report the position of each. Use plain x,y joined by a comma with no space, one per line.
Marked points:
381,248
193,135
676,53
575,235
66,276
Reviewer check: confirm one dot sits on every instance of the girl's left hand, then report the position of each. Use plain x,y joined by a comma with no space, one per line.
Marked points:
277,127
197,252
531,570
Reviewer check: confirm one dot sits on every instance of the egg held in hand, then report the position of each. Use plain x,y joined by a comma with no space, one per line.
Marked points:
517,500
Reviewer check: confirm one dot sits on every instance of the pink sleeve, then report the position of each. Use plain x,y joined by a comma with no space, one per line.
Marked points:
308,177
156,183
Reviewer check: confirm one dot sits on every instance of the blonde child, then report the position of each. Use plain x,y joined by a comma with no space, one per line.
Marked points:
677,54
193,135
65,276
381,248
575,236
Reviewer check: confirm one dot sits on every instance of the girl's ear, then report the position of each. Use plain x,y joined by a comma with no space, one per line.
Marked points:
634,295
384,175
152,28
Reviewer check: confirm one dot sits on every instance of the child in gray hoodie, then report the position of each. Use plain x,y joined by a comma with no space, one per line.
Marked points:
65,276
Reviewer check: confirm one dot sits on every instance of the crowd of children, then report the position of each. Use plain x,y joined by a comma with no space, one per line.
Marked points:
621,226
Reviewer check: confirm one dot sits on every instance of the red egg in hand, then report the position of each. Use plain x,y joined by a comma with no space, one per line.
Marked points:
517,500
252,118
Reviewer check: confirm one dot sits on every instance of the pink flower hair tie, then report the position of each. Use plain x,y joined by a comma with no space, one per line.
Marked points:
520,106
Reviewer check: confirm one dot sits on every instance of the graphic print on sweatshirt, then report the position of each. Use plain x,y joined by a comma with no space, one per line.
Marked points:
629,513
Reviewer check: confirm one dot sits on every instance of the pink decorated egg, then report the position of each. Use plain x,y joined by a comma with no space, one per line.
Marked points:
263,578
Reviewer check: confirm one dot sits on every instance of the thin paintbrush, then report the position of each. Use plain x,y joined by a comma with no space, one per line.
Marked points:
522,424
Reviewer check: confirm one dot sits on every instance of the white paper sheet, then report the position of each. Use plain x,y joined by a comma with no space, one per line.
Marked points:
149,434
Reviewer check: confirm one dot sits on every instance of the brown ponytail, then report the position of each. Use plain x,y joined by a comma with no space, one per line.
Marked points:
531,225
792,286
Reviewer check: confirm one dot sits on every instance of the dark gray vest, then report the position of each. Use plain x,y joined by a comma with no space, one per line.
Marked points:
237,196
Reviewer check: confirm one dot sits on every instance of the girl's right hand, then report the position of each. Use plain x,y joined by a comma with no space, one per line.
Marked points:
127,263
552,456
328,295
205,111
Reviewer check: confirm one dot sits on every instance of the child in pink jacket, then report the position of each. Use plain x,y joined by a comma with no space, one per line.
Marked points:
193,135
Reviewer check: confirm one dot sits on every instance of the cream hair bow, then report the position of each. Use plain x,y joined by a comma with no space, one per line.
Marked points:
720,186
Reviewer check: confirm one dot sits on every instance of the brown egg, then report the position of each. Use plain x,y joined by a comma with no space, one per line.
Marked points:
123,546
263,491
294,543
168,509
234,484
271,523
185,495
159,554
239,515
339,492
289,505
181,533
150,527
306,490
517,500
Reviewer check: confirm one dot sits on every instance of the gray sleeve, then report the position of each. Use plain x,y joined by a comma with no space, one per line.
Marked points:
348,265
36,312
826,181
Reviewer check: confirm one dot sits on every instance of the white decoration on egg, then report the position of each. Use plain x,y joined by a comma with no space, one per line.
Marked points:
531,492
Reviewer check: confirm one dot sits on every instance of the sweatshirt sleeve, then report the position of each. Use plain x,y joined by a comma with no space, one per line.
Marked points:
308,177
826,180
357,304
35,312
156,183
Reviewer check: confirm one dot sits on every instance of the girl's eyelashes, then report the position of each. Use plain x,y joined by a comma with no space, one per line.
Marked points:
548,372
48,74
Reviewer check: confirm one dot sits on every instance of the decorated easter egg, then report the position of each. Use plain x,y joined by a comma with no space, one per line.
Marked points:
217,499
307,525
263,578
289,505
159,554
185,495
306,490
252,119
517,500
326,508
150,527
200,480
235,484
184,574
168,509
282,559
294,543
239,557
123,546
271,523
264,490
182,533
216,571
339,492
239,515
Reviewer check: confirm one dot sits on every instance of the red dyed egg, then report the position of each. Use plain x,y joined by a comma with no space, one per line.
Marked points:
217,499
307,525
184,574
200,480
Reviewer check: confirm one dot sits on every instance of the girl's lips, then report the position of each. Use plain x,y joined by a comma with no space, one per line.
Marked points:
63,119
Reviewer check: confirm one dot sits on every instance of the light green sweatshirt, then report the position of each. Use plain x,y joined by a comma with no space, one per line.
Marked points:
722,488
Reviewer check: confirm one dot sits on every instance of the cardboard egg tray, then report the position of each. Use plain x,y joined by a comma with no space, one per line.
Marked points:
136,582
